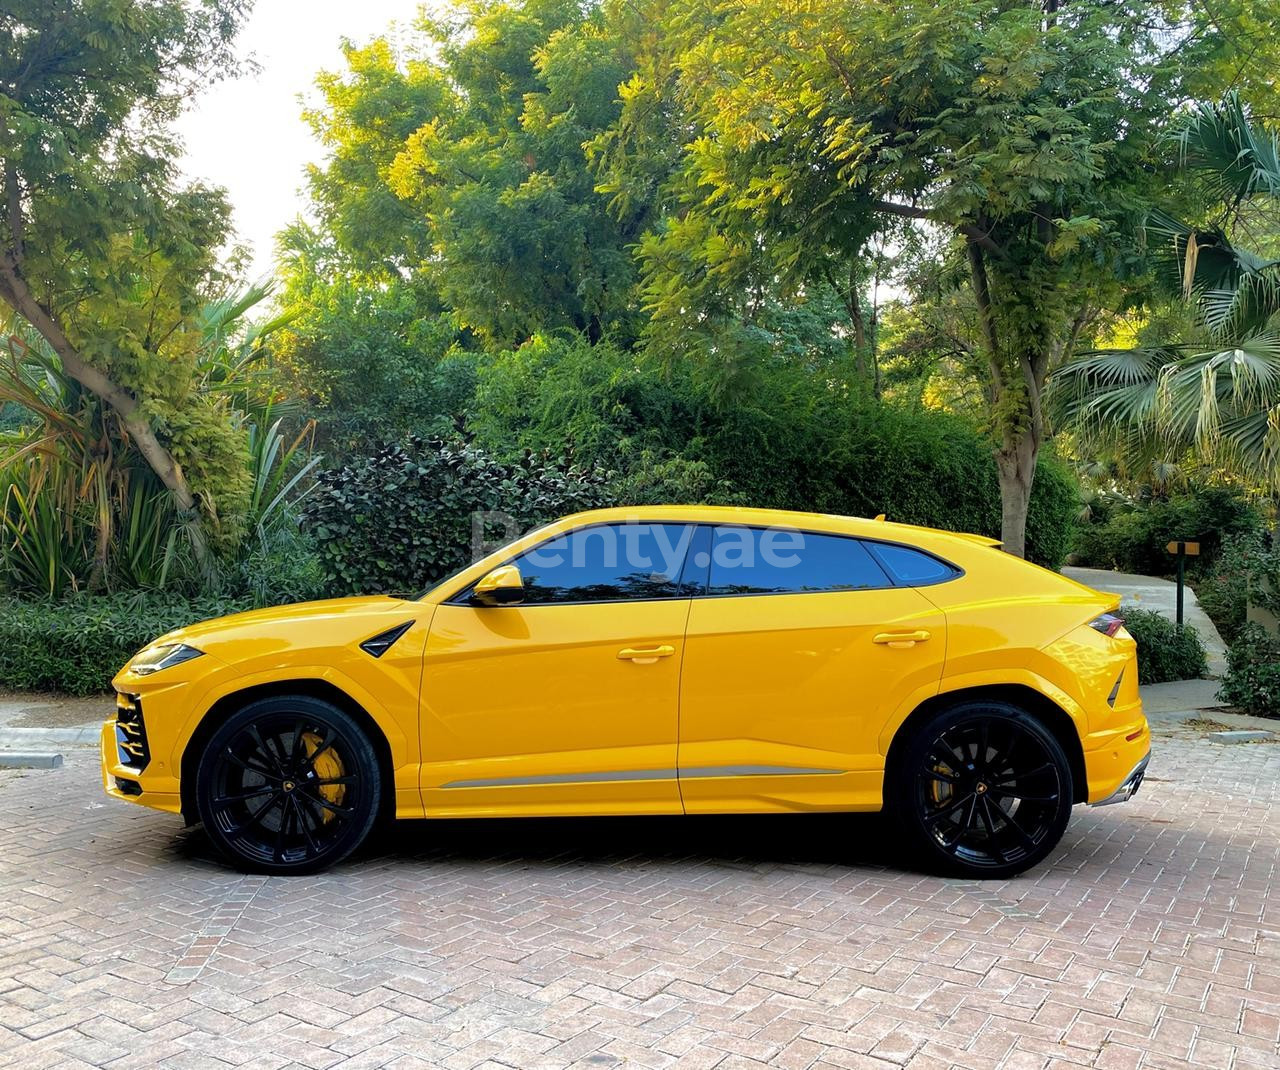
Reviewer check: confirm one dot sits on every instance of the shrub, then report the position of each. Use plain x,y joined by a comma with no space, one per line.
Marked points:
1252,681
1165,651
789,436
401,518
277,566
1134,536
77,645
1247,568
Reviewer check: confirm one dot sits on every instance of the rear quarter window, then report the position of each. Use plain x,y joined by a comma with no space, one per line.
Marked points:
910,567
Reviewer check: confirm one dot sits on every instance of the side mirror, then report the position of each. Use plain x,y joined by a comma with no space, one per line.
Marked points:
501,587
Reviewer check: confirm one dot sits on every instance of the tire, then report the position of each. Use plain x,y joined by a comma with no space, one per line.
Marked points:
981,789
288,785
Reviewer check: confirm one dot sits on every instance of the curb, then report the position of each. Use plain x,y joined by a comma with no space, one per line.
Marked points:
34,739
19,760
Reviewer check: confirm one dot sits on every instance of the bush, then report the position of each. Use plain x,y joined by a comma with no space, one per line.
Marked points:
276,566
1134,536
76,646
790,436
1246,569
1165,651
400,519
1252,681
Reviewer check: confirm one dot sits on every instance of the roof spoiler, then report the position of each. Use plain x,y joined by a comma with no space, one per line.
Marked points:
984,540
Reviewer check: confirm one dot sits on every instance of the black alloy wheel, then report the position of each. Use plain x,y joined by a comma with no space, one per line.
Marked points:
289,784
983,789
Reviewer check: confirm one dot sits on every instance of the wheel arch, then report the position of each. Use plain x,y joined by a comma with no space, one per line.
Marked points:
1039,705
311,688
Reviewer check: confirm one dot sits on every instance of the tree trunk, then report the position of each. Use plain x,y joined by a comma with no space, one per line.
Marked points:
14,289
1016,463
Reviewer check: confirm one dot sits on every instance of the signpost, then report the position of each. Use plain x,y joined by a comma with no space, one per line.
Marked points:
1183,551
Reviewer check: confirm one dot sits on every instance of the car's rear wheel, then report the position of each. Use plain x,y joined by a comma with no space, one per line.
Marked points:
289,784
982,789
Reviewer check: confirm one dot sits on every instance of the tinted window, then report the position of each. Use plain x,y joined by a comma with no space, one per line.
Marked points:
778,560
913,568
606,563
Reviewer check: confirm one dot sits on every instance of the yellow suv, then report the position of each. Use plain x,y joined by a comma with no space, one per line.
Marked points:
656,660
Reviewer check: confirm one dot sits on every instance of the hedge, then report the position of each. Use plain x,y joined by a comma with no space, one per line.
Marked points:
76,646
1252,681
1165,651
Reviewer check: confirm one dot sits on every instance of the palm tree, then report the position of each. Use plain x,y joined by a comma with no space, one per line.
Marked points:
1217,392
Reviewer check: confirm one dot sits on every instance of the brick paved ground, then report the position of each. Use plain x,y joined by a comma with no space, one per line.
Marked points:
1152,939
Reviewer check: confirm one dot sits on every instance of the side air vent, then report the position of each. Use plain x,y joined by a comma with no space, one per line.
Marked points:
383,641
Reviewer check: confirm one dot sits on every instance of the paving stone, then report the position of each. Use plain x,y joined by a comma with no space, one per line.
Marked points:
1151,939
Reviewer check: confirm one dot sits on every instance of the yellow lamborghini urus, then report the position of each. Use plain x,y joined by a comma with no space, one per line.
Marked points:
657,660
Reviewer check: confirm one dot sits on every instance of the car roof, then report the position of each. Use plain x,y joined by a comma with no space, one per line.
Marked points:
878,527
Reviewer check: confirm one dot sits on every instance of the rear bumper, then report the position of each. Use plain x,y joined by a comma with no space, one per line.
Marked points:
1129,786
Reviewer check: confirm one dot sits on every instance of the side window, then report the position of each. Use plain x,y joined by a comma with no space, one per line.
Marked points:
786,561
913,568
606,563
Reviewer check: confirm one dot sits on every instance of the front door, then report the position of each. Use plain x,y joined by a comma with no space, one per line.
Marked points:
568,701
794,659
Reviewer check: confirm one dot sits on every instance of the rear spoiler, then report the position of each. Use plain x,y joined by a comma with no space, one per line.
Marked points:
982,540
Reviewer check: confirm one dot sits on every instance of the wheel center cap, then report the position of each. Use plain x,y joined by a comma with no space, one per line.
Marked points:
981,788
288,785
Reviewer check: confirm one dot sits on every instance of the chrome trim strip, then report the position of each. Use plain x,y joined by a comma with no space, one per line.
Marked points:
563,778
642,774
755,770
1128,786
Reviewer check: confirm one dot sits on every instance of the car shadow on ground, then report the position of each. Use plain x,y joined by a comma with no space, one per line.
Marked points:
742,841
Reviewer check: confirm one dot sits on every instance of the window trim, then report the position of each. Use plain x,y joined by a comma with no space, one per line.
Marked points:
462,597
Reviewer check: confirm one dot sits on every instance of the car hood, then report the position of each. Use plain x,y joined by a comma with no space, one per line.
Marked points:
340,611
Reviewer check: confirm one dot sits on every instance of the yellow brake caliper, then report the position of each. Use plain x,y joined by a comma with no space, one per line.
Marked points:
328,767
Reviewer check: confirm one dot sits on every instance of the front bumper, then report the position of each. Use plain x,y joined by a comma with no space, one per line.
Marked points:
1129,786
122,781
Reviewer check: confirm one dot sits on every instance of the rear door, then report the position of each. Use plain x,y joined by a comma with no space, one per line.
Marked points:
794,658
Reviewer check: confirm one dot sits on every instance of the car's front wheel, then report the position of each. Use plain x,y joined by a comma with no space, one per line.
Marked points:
982,789
289,784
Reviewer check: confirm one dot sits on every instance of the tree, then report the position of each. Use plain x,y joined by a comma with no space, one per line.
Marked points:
100,252
456,162
1026,134
1206,381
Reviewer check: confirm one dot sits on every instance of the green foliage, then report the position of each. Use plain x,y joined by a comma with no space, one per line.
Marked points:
1211,386
278,566
75,646
79,508
1252,681
1246,570
1031,141
1165,651
797,435
456,153
1134,535
401,518
370,359
104,254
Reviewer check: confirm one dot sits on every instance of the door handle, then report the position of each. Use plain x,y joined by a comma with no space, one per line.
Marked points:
901,640
645,655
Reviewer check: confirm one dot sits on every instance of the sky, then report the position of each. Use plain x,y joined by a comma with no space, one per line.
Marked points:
248,135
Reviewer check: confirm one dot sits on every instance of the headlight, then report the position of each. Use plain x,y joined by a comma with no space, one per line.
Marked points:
163,656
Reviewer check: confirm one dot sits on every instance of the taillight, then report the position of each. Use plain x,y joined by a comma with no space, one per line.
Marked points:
1108,624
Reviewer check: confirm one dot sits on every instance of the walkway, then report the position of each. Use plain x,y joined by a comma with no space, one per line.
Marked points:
1161,596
